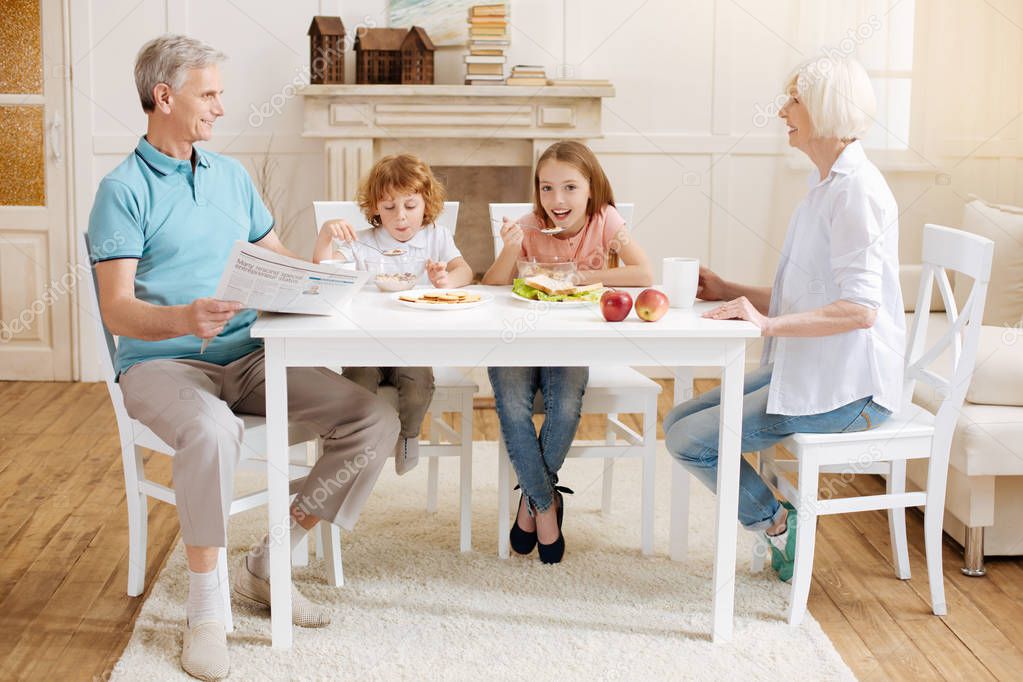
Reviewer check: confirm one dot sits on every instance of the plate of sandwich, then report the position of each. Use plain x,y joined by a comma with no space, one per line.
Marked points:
557,292
442,299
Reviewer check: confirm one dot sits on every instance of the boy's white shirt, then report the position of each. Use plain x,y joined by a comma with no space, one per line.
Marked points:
433,242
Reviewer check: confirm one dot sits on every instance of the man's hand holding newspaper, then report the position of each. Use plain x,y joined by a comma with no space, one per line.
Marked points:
261,279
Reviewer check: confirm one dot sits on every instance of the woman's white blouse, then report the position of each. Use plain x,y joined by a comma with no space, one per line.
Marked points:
842,244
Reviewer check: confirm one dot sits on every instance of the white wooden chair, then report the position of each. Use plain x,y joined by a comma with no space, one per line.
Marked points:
610,391
911,433
454,389
135,438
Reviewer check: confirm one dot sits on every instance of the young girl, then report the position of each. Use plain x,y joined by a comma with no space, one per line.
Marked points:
571,192
401,198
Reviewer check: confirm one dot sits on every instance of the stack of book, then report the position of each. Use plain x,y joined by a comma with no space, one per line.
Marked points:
527,74
488,38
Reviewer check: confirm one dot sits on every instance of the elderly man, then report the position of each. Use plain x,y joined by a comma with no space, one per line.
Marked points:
161,229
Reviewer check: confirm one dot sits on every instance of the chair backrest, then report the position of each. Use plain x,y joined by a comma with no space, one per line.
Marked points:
513,211
946,249
106,343
350,212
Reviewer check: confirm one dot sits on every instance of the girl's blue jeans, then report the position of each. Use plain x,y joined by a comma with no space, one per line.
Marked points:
537,459
691,435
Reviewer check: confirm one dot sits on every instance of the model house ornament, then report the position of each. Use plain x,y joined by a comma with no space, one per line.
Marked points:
326,51
417,58
394,55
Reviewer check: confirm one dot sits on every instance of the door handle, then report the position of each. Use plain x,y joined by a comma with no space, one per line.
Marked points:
56,126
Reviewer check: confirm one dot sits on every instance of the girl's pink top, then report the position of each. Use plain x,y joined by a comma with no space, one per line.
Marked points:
587,249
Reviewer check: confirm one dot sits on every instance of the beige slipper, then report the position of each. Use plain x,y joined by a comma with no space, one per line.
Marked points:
204,653
304,613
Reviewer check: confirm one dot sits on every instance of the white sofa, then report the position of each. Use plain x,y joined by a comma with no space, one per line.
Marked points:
984,503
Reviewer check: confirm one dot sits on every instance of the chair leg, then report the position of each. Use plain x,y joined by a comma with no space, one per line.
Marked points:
761,550
138,520
314,449
225,589
806,536
300,555
973,553
330,539
649,474
933,517
503,500
433,471
432,476
465,476
679,543
897,520
609,468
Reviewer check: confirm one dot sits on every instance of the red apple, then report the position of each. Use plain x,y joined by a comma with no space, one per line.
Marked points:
651,305
615,305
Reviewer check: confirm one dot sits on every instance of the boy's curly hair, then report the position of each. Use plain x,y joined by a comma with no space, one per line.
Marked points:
401,174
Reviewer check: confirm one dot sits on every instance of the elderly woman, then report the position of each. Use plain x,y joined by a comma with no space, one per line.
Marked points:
833,321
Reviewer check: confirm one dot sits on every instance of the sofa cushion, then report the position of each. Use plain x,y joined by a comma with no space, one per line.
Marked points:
998,375
1004,226
988,439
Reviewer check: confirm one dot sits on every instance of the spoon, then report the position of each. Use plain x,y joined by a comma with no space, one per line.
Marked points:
385,252
541,230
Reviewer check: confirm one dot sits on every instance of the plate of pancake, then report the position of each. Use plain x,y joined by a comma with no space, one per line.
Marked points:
442,299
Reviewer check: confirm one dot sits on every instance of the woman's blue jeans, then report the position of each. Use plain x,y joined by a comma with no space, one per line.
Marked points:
691,435
536,460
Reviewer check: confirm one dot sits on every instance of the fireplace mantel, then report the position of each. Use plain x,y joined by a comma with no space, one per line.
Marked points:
447,125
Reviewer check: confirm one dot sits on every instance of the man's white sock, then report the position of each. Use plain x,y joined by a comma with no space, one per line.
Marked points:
205,600
258,559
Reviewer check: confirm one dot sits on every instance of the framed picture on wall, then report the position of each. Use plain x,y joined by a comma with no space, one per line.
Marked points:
444,20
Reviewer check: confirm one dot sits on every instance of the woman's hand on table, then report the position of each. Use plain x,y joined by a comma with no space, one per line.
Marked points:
740,309
438,274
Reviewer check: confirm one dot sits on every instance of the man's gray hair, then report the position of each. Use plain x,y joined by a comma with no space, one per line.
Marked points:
168,59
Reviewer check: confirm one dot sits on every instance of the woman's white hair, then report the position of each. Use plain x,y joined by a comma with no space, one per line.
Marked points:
168,59
837,94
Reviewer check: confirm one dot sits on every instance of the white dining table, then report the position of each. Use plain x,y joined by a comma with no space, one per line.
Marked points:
375,329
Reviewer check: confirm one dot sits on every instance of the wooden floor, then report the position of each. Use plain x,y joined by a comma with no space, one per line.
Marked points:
64,613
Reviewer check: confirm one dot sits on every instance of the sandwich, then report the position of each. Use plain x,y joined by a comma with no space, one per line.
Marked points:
544,288
550,286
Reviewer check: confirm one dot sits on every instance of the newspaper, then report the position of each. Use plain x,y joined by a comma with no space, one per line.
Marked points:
261,279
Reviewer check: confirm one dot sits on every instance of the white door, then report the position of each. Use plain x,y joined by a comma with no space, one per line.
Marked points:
37,277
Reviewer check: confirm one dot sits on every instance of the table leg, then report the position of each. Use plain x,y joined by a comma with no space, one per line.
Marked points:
277,487
679,532
729,442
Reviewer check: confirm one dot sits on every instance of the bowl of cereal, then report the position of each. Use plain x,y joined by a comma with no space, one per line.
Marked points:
555,269
396,273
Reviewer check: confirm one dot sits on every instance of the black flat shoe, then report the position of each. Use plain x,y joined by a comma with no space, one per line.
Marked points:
521,541
553,553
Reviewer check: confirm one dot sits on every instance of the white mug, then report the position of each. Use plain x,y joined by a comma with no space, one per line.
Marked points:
681,277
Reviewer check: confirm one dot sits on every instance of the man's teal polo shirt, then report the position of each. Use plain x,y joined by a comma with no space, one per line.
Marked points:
180,226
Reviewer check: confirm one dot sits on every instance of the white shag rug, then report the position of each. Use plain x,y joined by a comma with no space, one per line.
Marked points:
414,607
